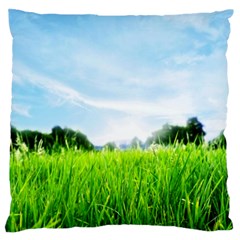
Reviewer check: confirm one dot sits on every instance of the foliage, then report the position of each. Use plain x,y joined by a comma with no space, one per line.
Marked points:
195,131
136,143
110,146
56,139
192,132
67,138
219,141
178,185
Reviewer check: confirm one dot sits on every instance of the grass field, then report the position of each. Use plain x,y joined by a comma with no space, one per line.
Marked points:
179,185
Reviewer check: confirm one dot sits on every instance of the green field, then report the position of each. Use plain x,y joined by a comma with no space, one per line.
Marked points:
177,185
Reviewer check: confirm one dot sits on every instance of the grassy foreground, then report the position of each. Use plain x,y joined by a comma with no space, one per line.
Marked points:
181,186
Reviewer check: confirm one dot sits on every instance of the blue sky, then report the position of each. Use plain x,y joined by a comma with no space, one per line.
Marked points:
114,78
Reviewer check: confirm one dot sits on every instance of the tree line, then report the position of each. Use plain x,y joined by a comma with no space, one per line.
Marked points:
191,133
58,138
169,134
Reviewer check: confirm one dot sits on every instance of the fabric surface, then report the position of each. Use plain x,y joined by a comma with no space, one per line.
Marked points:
119,120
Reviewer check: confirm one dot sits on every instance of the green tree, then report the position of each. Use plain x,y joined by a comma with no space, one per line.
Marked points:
14,133
219,142
58,135
195,131
169,134
54,141
110,146
136,143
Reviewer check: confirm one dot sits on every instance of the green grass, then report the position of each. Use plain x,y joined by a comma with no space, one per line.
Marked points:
181,186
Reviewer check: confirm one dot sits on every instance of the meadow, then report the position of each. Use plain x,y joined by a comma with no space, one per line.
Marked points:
178,185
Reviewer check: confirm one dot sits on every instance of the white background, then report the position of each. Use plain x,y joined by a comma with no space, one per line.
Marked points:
124,7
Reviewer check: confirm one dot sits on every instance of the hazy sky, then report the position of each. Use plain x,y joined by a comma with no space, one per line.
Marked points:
114,78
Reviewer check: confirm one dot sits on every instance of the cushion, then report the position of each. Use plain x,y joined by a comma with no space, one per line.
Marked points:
119,120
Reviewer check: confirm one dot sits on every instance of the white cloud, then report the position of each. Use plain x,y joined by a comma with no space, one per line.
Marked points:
52,86
110,73
142,119
17,79
123,130
170,106
199,22
21,110
188,59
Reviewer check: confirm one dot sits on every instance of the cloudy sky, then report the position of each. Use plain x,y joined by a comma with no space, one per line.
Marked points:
114,78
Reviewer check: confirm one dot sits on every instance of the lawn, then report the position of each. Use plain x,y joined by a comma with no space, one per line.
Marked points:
177,185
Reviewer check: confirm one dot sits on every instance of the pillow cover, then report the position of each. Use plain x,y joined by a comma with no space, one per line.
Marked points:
119,120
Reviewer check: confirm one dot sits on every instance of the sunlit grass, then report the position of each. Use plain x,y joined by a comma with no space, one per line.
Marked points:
179,185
